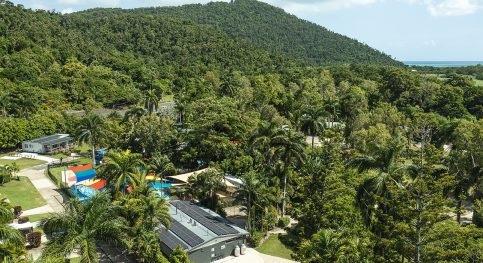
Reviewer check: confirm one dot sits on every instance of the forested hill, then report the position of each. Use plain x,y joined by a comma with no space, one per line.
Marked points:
274,30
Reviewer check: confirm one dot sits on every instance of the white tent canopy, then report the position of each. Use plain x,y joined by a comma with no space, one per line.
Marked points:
184,177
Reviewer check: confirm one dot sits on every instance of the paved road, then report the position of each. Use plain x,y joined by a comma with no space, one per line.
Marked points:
46,188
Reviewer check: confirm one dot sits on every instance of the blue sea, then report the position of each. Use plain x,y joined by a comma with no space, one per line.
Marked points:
442,64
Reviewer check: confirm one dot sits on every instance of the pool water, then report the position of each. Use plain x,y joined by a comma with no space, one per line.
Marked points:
84,193
162,194
159,185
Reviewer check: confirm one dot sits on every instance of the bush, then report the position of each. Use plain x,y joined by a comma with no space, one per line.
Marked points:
23,219
17,210
283,222
34,239
255,238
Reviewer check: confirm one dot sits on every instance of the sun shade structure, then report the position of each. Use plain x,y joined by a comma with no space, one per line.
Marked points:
184,177
203,234
48,144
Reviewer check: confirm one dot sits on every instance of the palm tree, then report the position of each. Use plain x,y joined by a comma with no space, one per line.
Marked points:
6,173
261,141
13,241
205,185
384,162
289,149
311,121
145,212
248,193
161,166
151,101
80,227
91,132
122,169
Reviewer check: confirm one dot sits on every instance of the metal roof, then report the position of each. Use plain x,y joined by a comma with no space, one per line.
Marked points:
193,226
51,139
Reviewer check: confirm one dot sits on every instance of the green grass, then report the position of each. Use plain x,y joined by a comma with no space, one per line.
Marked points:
57,171
75,260
39,217
22,193
274,247
22,163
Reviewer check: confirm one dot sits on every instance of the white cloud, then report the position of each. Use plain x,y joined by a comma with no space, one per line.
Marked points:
450,7
314,6
67,11
109,3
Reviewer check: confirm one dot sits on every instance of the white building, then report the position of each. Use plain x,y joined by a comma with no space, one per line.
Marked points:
48,144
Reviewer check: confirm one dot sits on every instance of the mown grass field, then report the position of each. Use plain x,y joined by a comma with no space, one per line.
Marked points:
274,247
23,193
22,163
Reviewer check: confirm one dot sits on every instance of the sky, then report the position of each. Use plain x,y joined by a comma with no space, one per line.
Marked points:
408,30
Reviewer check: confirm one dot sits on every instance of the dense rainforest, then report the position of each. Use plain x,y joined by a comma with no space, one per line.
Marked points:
376,162
272,29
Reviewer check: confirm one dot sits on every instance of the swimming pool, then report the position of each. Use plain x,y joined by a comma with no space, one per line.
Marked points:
84,193
159,185
162,194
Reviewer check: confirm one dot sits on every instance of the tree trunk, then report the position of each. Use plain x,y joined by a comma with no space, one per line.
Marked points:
459,204
249,208
285,172
417,252
313,137
93,156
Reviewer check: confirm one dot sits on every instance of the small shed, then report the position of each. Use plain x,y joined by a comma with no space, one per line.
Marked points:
48,144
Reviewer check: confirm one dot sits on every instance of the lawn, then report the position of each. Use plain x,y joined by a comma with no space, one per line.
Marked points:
39,217
274,247
22,163
22,193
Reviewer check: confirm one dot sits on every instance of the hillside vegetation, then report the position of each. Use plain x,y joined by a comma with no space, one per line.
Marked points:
272,29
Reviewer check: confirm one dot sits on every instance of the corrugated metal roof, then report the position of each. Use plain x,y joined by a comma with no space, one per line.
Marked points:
51,139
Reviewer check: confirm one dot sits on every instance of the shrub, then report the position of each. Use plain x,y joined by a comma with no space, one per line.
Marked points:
23,219
283,222
255,238
17,210
34,239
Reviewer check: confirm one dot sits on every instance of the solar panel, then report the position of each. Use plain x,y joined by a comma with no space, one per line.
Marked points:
214,223
185,234
171,240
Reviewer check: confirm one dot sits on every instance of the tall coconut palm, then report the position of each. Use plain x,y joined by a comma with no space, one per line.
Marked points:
161,166
384,163
13,241
91,131
261,141
122,169
81,226
151,100
290,150
247,194
312,123
205,185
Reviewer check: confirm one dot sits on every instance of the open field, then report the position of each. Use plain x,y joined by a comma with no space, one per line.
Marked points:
22,163
22,193
274,247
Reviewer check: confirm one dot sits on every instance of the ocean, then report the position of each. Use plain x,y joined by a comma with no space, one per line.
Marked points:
441,64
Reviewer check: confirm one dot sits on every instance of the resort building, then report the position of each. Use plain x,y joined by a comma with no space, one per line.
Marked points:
48,144
203,234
